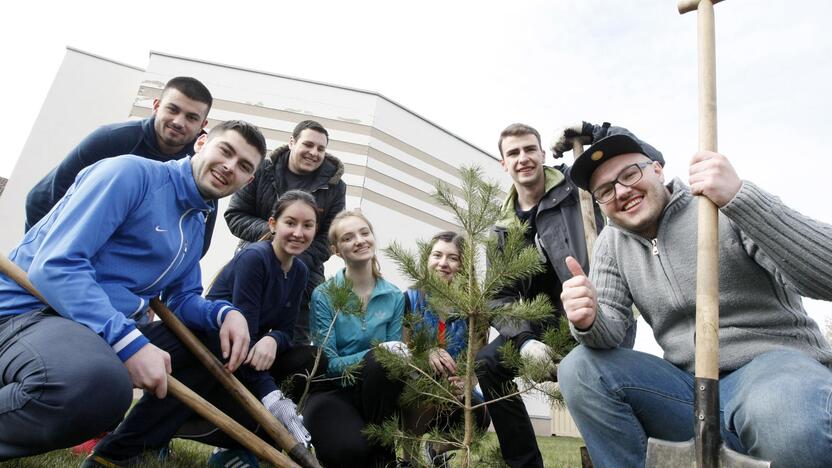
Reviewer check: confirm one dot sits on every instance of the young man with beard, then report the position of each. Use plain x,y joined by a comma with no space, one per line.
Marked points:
545,199
775,380
179,116
128,230
305,165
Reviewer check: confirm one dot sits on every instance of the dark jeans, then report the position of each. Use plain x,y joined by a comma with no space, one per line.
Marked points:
509,416
153,422
60,384
336,417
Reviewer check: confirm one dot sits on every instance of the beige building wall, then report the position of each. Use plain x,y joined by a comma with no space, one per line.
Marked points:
88,91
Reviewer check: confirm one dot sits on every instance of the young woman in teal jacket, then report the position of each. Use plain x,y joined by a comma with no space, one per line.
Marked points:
336,416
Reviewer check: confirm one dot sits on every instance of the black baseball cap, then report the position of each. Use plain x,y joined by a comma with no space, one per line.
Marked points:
618,141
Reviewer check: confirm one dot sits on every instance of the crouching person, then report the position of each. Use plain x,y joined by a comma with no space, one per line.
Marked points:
128,230
775,381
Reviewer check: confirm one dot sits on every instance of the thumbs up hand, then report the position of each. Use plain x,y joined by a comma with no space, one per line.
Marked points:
578,297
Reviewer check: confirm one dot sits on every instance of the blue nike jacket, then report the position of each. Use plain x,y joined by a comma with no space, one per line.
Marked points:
126,231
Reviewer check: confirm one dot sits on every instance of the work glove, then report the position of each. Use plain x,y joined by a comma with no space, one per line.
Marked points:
286,412
537,351
396,347
563,138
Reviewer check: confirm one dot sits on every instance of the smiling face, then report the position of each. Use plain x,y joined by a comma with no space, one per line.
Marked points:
178,120
306,153
523,160
355,242
223,164
638,207
294,230
444,259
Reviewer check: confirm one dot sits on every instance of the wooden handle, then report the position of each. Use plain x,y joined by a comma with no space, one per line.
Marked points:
249,402
686,6
10,269
234,429
707,261
587,207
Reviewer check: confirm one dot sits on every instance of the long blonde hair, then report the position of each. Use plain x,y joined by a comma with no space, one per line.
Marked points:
333,234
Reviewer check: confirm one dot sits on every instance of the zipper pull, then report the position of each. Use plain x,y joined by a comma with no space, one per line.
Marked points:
655,243
285,275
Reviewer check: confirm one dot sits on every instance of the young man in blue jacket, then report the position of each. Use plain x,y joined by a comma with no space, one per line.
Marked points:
179,116
129,229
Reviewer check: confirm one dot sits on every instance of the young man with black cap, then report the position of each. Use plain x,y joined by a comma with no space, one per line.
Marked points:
547,201
775,380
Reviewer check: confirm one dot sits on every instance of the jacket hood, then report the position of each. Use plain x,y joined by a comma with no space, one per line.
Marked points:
552,178
330,170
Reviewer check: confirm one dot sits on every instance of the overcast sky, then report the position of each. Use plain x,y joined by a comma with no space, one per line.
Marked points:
473,67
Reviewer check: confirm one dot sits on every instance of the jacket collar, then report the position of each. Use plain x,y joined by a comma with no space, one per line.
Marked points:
552,178
184,184
149,132
382,286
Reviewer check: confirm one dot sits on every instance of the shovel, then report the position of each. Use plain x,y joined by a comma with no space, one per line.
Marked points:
706,449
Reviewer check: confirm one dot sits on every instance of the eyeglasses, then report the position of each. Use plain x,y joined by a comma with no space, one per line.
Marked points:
627,177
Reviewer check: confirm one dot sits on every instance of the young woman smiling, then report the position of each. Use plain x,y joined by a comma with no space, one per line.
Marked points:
266,281
336,416
451,336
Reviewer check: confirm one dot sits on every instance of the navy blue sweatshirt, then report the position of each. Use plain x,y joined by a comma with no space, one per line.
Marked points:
268,298
137,137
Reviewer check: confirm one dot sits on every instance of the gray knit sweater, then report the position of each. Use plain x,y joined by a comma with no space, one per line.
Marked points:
770,256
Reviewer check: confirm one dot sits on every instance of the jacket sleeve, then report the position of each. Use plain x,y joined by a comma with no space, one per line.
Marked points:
319,251
323,331
184,298
614,317
507,296
62,268
242,214
794,248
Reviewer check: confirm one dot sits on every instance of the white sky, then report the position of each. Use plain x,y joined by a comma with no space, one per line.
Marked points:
473,67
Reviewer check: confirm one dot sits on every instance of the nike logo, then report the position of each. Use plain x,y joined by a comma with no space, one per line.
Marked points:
159,229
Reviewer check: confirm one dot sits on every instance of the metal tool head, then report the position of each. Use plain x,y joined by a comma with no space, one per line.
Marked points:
665,454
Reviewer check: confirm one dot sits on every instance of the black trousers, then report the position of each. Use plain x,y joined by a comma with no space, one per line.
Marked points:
152,422
511,420
335,418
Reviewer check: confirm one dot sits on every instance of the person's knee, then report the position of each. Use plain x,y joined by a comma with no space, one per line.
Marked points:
574,367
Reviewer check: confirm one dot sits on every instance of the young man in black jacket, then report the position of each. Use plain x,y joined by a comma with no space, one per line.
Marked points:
305,165
547,200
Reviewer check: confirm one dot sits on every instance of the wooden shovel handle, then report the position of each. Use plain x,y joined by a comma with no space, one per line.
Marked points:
707,263
231,427
587,207
249,402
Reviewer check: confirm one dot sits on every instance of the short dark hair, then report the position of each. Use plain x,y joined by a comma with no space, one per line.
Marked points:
190,87
311,125
249,132
515,130
450,237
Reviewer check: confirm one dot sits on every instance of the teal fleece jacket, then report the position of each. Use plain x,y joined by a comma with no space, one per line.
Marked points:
352,336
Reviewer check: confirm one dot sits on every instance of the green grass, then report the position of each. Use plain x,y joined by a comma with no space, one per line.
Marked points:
558,452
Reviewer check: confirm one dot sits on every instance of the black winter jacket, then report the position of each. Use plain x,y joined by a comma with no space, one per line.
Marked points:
248,212
560,233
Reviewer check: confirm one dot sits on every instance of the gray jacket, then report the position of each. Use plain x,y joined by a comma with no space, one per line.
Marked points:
770,256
